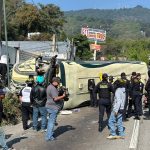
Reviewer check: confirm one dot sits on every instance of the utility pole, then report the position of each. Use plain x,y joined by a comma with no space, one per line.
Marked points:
54,44
6,40
95,51
1,7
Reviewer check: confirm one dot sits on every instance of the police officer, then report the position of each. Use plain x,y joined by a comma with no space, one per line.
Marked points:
111,79
104,89
131,103
91,85
137,92
147,88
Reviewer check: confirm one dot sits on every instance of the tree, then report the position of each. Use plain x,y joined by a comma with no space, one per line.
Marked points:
43,18
51,18
82,47
27,19
11,8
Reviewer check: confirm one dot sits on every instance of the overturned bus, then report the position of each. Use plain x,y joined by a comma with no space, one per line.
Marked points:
75,75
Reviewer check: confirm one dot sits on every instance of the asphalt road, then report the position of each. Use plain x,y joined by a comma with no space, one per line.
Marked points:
78,131
144,134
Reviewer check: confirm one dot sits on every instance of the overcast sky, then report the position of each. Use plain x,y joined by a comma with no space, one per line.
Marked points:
66,5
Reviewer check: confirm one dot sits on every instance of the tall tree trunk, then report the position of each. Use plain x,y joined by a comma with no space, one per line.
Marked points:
1,16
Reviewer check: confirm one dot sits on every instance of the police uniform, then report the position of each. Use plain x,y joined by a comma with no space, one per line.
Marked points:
131,102
137,92
104,89
147,88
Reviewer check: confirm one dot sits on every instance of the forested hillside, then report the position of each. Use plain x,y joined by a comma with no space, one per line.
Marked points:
128,29
125,23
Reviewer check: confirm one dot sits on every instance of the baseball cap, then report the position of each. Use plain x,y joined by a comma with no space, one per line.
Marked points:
105,75
133,73
123,74
56,79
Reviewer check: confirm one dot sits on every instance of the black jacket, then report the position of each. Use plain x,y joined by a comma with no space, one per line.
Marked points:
147,86
38,95
137,87
124,82
104,89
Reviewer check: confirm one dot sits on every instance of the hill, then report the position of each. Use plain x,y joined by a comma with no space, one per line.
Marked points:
122,23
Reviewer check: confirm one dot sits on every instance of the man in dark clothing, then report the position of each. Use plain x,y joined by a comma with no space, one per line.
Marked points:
38,100
137,92
104,89
147,88
26,108
131,103
91,85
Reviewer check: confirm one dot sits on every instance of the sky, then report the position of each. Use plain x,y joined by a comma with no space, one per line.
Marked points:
67,5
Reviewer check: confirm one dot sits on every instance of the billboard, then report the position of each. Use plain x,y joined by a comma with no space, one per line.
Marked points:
94,34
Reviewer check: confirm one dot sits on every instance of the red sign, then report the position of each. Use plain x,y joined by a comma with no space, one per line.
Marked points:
95,47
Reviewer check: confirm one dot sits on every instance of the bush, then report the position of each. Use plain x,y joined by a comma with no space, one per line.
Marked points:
12,110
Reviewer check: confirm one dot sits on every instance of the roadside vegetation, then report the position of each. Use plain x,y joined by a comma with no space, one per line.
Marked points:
12,109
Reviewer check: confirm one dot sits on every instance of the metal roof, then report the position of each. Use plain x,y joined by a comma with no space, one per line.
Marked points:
34,46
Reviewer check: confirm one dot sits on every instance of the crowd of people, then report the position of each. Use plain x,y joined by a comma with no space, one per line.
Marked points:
37,99
120,99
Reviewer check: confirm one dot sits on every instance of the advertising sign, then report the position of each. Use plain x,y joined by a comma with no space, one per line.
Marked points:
95,47
94,34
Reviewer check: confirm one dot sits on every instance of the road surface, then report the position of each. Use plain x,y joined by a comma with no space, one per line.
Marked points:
77,131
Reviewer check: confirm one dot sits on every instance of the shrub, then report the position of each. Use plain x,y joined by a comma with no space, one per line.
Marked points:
12,110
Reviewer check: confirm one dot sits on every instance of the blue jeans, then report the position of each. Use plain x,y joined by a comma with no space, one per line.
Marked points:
51,122
2,139
43,114
115,122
